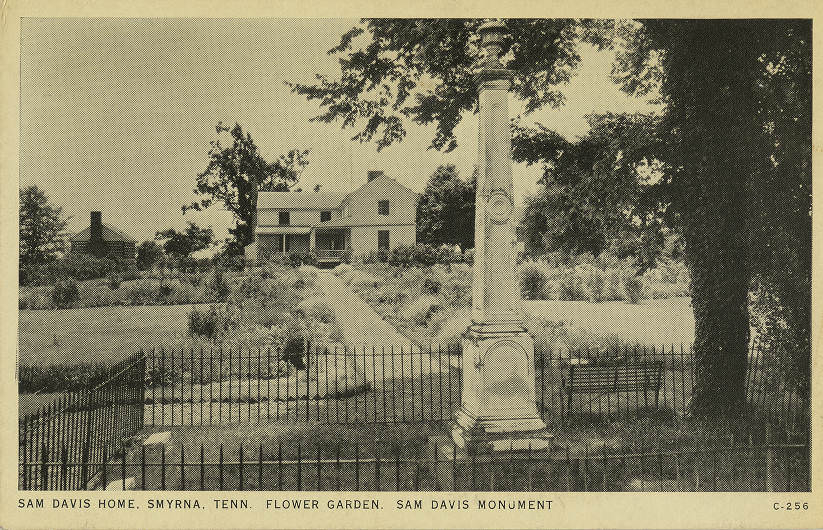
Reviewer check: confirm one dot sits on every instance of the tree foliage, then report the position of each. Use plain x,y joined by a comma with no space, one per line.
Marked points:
236,173
41,228
604,191
183,244
149,253
421,69
445,211
732,145
731,89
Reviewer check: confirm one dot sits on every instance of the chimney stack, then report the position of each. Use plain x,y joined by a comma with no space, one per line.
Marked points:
374,173
96,245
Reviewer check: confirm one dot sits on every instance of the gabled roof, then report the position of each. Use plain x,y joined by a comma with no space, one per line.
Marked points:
312,200
299,200
109,234
382,176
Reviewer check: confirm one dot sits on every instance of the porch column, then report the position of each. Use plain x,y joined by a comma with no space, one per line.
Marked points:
498,410
312,242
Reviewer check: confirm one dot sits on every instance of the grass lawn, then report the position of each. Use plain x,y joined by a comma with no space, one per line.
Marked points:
97,334
650,323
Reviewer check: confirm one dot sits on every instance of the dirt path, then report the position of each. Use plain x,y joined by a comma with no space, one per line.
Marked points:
361,325
383,353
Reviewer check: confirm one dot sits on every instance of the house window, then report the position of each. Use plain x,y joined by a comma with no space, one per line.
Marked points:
382,240
284,218
325,216
383,207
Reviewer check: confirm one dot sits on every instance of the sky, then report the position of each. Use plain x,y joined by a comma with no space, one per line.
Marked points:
117,114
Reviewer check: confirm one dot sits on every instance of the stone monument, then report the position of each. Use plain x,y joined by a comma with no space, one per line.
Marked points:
498,411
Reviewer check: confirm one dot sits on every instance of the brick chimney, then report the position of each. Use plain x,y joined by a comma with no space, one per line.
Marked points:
374,173
96,245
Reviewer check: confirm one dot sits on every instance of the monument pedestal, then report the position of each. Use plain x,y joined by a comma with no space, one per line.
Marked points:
498,410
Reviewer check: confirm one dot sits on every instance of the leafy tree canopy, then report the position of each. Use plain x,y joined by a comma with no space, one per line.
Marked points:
605,190
236,173
183,244
445,211
421,69
737,137
41,227
149,253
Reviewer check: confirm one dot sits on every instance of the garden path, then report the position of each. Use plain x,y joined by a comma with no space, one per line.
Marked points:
360,324
382,353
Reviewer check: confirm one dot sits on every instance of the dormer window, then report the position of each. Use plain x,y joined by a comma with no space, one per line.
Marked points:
325,216
284,218
383,207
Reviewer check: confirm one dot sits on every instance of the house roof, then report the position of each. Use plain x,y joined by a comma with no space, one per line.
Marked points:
299,200
109,234
310,200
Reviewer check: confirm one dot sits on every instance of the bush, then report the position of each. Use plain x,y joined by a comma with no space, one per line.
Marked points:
114,280
61,377
296,259
594,283
570,286
342,269
633,285
316,308
533,281
375,256
209,323
431,286
218,284
420,311
65,293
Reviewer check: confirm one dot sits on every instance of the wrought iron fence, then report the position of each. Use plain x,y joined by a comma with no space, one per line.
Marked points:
399,385
83,428
723,465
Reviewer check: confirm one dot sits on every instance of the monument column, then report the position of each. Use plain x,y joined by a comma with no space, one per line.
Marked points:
498,410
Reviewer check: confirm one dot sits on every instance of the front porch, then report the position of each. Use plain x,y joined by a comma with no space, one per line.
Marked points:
330,244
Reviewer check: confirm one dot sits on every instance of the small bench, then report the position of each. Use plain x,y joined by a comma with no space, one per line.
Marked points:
599,379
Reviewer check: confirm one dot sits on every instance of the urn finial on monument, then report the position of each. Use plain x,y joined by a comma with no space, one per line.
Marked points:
498,410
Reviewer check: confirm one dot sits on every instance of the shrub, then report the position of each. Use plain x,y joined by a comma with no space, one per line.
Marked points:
613,289
210,323
402,256
594,283
420,311
295,341
60,377
375,256
431,286
114,280
633,285
570,287
317,308
65,293
296,259
533,281
342,269
218,284
39,297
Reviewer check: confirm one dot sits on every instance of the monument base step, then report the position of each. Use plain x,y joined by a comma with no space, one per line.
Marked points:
443,453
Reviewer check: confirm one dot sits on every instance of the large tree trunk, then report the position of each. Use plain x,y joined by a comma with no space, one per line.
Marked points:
716,133
720,287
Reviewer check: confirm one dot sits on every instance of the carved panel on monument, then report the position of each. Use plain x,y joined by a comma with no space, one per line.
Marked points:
505,382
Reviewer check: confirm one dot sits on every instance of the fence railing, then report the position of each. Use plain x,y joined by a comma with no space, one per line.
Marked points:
81,428
399,385
731,465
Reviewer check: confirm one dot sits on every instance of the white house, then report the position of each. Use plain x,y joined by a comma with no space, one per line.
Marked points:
380,214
